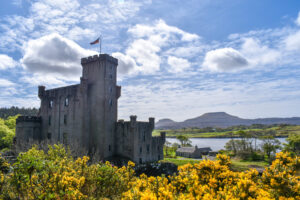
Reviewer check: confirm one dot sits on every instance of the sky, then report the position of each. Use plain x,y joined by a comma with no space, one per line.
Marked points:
177,59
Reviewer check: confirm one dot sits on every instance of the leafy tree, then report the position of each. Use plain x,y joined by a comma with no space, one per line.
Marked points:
293,143
270,145
7,132
184,140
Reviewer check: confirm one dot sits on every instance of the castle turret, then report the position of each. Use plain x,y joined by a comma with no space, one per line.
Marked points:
41,92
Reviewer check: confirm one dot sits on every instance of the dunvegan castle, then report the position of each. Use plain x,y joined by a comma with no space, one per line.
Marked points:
86,114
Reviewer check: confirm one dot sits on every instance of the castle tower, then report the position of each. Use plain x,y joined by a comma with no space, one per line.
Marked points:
100,72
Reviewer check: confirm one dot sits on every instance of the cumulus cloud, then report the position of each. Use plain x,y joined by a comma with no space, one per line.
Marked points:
6,62
292,41
150,44
178,64
258,54
225,59
54,54
126,64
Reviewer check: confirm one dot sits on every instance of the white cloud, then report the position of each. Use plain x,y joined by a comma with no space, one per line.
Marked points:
54,54
292,41
126,64
74,19
178,64
151,43
224,60
6,62
298,19
6,83
258,54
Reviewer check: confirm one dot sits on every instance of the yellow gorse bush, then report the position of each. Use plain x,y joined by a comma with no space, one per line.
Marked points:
56,175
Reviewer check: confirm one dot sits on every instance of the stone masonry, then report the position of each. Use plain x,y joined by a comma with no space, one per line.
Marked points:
86,114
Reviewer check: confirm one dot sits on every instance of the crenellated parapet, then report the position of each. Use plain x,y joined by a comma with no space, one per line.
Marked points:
28,119
101,57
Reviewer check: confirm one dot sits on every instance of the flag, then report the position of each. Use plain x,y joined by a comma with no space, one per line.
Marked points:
95,42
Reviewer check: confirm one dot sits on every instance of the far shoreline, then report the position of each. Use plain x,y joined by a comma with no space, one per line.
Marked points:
222,137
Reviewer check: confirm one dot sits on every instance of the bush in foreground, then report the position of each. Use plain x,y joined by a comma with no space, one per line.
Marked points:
56,175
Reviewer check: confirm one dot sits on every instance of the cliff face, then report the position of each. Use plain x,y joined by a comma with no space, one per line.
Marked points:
222,120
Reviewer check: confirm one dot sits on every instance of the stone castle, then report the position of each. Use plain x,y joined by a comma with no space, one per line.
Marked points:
86,114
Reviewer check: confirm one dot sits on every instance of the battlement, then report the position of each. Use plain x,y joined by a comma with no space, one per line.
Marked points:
28,119
101,57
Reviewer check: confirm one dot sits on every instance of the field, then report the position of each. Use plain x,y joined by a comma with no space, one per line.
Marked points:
237,165
276,130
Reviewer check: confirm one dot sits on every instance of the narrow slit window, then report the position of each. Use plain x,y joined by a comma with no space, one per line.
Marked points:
65,119
51,104
67,101
49,120
65,138
49,136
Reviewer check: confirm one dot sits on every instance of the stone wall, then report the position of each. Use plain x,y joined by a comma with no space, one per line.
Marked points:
86,114
134,140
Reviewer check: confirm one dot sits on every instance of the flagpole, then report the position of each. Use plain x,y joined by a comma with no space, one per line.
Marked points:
100,43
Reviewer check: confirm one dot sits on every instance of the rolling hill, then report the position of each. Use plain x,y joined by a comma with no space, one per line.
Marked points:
221,120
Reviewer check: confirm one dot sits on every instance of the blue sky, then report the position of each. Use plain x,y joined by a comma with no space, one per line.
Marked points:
177,59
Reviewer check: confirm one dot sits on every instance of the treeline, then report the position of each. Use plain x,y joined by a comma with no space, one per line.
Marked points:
233,128
12,111
247,146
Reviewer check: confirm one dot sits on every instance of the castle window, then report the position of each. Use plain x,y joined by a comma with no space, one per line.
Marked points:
158,157
49,120
49,136
109,148
144,137
110,76
65,119
141,161
141,149
50,103
148,148
67,101
65,138
110,103
110,89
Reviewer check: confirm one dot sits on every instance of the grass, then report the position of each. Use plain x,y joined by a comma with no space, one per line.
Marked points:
180,161
194,132
241,165
237,165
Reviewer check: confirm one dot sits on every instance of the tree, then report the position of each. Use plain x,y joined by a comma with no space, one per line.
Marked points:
270,145
293,143
184,140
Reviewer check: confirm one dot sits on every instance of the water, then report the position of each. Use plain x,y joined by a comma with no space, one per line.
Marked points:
215,144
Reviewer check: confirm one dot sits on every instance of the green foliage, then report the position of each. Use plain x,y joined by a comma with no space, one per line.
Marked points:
256,130
7,131
184,140
270,145
293,144
56,175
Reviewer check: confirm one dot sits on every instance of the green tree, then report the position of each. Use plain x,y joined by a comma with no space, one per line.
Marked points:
184,140
293,144
270,145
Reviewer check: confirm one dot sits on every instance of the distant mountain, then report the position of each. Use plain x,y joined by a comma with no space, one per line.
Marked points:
222,120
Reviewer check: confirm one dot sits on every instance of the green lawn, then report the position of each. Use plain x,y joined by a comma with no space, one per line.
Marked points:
237,165
180,161
240,165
